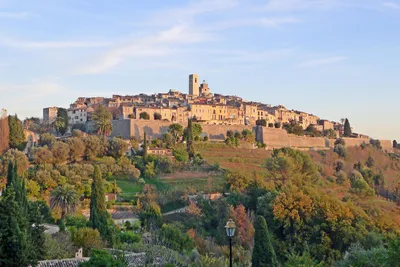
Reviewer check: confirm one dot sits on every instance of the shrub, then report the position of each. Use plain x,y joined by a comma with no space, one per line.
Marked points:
144,116
339,165
78,221
205,139
181,155
341,177
261,122
271,125
340,150
129,237
86,238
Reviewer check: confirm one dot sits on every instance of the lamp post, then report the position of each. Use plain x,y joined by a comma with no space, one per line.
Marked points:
230,231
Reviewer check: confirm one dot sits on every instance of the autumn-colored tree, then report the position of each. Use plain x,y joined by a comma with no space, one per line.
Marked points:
193,209
4,133
244,227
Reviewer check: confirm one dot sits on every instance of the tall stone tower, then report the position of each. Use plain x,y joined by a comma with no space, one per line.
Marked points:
194,84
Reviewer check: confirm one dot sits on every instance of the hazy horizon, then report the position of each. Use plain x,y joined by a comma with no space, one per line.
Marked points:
332,58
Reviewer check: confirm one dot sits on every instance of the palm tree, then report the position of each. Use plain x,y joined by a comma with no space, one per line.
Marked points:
102,121
65,198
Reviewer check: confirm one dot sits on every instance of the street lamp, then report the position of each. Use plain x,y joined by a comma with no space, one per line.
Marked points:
230,228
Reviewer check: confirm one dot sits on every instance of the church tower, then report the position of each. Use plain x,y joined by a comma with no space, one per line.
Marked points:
194,84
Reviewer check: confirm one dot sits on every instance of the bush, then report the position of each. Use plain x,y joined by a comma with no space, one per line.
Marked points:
261,122
78,221
181,155
86,238
175,239
205,139
144,116
129,237
340,150
270,125
341,177
277,125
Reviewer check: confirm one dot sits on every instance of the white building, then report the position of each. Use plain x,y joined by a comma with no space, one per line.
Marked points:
77,115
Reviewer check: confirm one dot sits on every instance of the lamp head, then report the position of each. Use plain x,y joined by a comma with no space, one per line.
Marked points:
230,228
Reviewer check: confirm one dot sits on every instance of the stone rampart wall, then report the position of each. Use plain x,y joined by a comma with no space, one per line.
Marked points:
273,138
278,138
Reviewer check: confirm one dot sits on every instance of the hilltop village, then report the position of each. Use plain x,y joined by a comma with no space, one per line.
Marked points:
200,103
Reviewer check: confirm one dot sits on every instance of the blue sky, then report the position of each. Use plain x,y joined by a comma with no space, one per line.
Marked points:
333,58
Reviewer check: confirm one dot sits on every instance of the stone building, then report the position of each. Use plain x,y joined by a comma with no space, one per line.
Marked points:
50,114
77,115
194,84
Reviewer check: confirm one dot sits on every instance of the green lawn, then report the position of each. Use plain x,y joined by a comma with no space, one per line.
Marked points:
130,187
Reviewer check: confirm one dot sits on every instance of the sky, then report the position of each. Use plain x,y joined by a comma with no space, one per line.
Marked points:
332,58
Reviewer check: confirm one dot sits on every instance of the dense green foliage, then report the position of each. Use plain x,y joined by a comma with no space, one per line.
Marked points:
101,258
16,136
347,128
263,251
99,218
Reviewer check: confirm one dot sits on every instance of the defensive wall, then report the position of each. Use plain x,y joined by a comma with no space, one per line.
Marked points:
273,138
278,138
153,129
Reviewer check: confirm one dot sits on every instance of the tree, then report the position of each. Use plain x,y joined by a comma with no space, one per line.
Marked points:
117,147
176,130
189,139
4,134
43,156
395,145
19,159
175,239
145,146
245,229
93,147
157,116
14,244
144,116
263,251
87,238
21,233
76,149
98,211
59,246
64,198
61,123
47,139
102,121
181,155
102,258
347,128
17,136
60,152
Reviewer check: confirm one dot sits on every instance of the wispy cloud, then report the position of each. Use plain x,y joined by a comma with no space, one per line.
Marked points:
160,44
322,61
293,5
51,44
262,22
13,15
391,5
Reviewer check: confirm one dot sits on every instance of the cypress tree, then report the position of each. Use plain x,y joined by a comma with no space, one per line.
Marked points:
189,143
347,128
98,211
13,236
21,230
17,136
145,147
263,251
